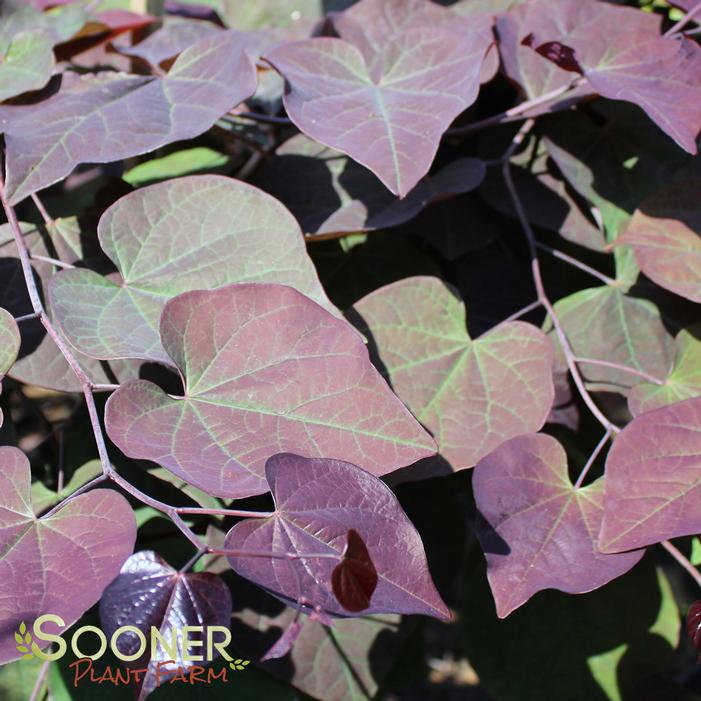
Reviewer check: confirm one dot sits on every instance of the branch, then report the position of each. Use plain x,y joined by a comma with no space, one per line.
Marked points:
576,263
623,368
538,280
674,29
592,458
682,560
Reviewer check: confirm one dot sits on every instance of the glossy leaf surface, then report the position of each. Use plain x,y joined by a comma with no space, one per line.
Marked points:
266,370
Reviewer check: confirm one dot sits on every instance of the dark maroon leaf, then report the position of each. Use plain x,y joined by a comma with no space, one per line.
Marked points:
150,593
266,369
317,502
100,118
354,579
386,105
536,529
653,479
58,564
561,55
693,626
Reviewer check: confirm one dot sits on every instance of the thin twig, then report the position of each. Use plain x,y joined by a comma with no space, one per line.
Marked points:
42,210
684,20
240,513
519,111
39,683
192,561
522,312
26,317
53,261
98,387
682,560
538,280
623,368
592,458
561,255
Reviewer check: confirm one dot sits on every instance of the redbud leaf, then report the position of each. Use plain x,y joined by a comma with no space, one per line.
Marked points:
9,345
317,502
266,370
354,579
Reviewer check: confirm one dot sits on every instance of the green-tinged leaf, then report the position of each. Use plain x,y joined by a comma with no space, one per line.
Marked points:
44,498
471,394
603,323
9,345
599,646
17,680
683,382
26,64
174,165
184,234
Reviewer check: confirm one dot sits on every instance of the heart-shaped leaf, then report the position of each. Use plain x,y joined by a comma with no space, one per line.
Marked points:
589,28
99,119
386,105
653,479
9,345
265,370
683,382
58,564
536,529
150,593
665,234
472,395
215,231
605,324
317,501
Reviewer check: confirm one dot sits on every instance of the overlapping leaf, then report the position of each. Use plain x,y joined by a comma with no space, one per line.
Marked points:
58,564
385,104
328,192
588,27
536,529
266,370
100,118
190,233
653,479
9,345
603,323
150,593
40,362
317,501
472,395
665,234
683,382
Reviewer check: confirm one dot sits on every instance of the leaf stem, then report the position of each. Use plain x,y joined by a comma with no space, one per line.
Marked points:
684,20
592,458
48,220
522,312
682,560
538,280
26,317
518,111
623,368
39,683
561,255
52,261
224,512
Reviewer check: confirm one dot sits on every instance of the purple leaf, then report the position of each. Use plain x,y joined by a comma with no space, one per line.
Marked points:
653,479
150,593
472,395
58,564
385,105
354,579
101,118
693,626
223,231
328,192
266,370
317,501
285,642
665,234
587,28
561,55
9,345
538,531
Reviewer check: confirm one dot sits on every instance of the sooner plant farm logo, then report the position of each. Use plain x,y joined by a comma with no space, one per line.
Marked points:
166,663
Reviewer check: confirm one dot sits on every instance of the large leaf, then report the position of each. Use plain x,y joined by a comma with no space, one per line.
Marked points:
150,593
9,344
100,118
605,324
600,646
40,361
189,233
58,564
665,234
266,370
472,395
536,529
683,382
329,192
385,104
653,479
317,501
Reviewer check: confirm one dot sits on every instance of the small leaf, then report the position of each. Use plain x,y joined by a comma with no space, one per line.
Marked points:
22,628
22,648
354,579
18,638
